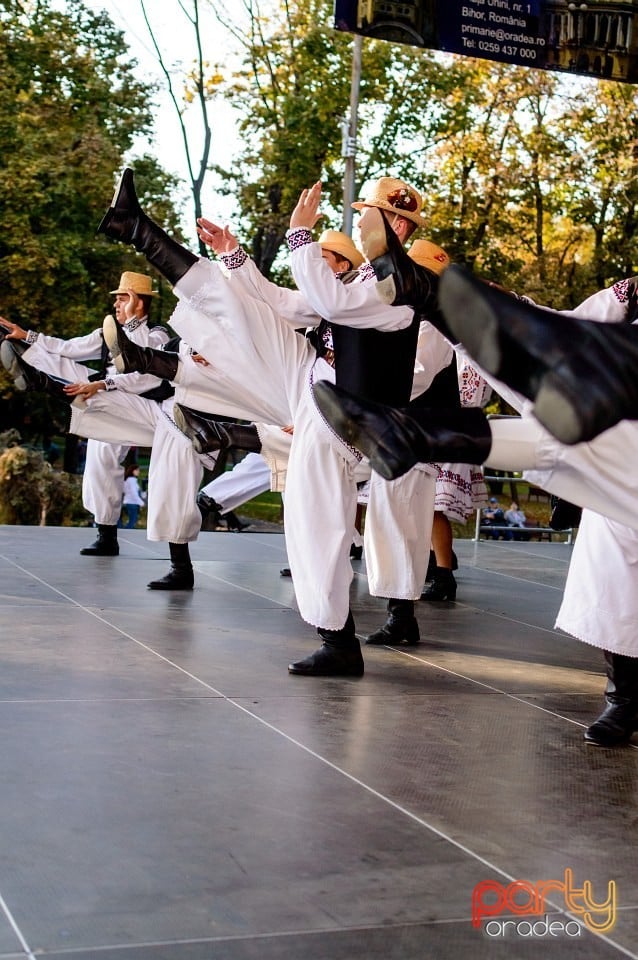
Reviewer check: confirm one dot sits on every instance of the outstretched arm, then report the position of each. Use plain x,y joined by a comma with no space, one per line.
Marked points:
353,304
288,305
14,332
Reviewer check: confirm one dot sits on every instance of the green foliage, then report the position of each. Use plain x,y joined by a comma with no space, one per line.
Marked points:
292,90
529,177
267,506
70,108
31,491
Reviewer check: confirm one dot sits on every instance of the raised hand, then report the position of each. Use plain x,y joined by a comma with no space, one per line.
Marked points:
306,213
13,331
219,239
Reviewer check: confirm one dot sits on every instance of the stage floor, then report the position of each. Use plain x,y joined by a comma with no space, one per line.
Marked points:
169,792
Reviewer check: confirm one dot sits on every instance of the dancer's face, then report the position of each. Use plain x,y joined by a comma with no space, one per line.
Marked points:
120,304
337,264
128,305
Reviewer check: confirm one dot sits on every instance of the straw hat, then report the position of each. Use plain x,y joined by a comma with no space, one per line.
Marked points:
137,282
429,255
341,243
396,196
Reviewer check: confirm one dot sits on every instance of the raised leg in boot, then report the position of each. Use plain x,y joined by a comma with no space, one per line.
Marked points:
208,435
580,374
180,575
126,221
28,378
338,656
395,440
618,721
401,279
401,627
129,357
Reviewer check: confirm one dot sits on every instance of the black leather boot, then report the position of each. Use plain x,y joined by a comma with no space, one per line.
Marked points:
338,656
208,435
180,575
126,221
442,587
395,440
401,627
10,353
233,523
618,721
401,280
432,567
128,356
26,377
106,544
209,509
580,374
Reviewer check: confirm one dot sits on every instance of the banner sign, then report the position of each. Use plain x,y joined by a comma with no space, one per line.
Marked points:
596,38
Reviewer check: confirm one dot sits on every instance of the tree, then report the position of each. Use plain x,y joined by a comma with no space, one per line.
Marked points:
199,89
603,191
70,107
291,90
527,177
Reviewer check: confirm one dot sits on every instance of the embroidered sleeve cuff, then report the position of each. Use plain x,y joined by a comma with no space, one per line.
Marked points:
365,272
234,258
110,383
299,237
32,336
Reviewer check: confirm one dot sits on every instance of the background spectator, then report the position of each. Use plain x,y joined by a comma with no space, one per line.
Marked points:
132,498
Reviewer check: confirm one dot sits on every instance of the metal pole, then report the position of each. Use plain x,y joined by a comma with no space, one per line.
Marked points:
349,143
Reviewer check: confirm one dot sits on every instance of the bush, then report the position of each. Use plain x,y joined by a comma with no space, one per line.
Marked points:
31,491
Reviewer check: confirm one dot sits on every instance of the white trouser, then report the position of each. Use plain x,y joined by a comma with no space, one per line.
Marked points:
56,365
600,602
275,449
122,419
321,503
174,475
397,534
247,479
260,369
115,416
103,480
257,362
598,475
103,476
175,470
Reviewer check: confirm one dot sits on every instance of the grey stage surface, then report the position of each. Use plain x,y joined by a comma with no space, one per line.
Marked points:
170,793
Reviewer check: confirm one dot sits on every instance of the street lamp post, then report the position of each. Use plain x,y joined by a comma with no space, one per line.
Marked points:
349,136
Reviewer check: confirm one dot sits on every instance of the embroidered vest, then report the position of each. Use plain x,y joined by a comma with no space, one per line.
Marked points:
375,364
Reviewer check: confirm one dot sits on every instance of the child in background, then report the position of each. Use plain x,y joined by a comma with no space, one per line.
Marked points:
132,498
